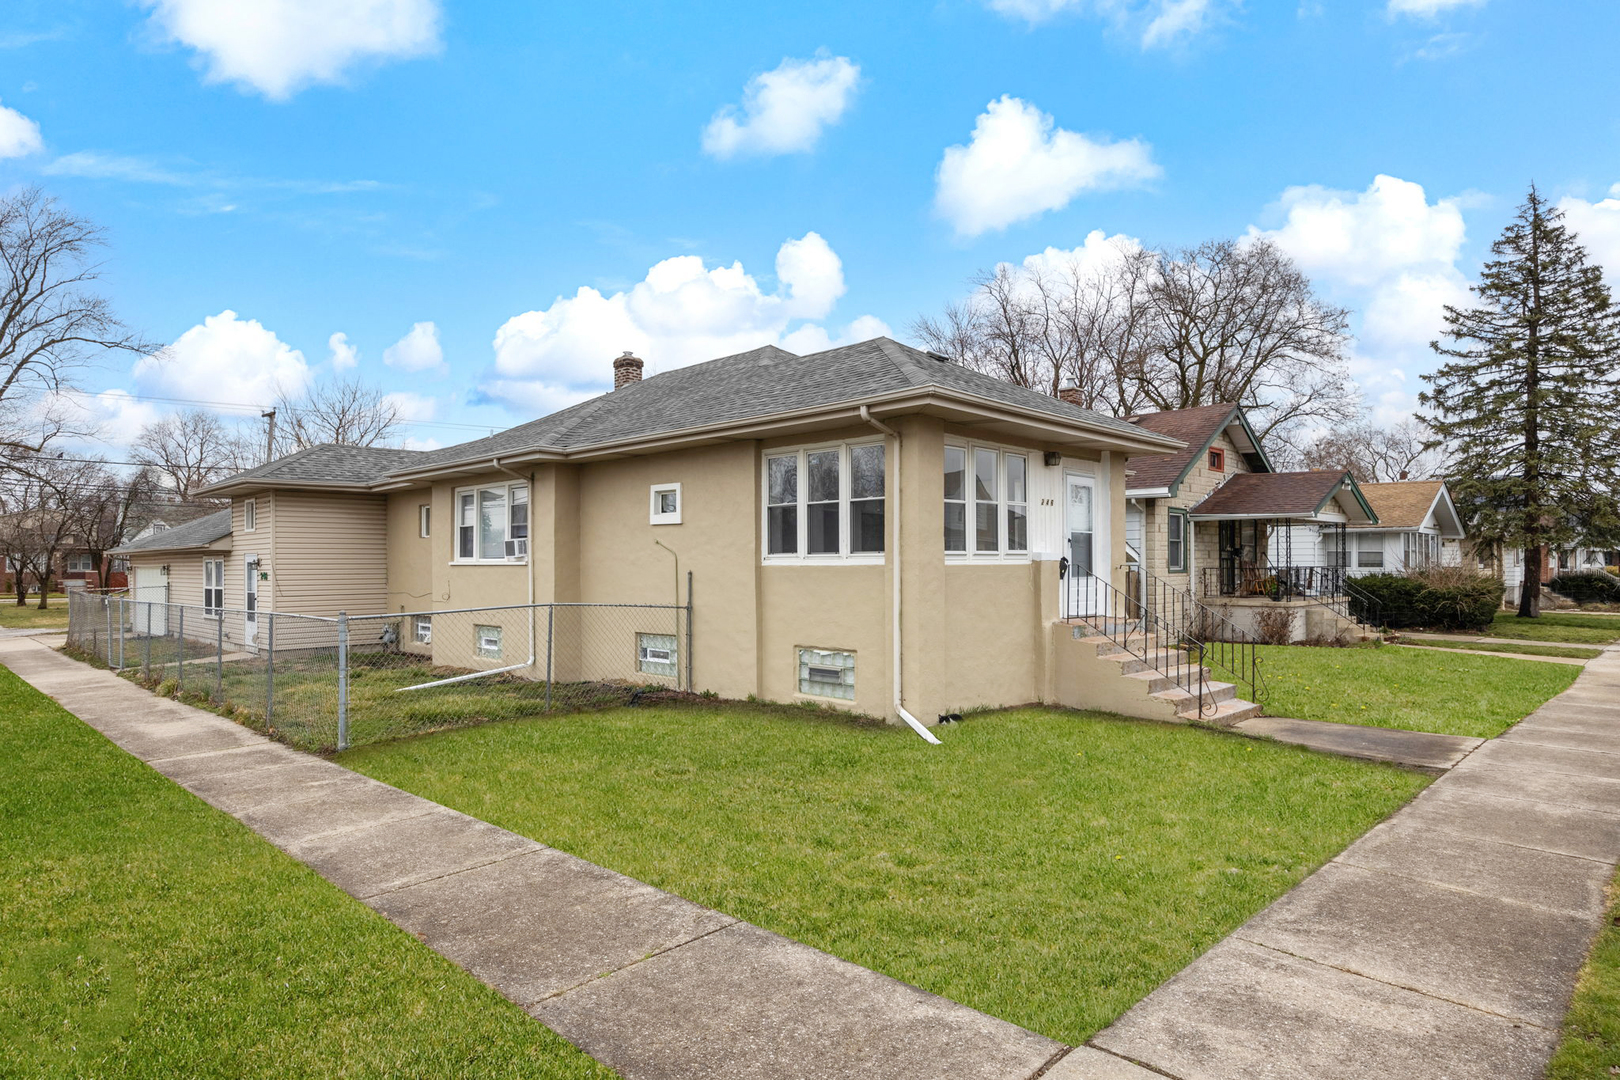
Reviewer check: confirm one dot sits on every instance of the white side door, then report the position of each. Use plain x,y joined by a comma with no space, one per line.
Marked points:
151,614
250,600
1081,547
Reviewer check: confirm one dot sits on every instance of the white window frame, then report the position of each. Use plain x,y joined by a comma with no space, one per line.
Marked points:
79,562
1364,548
1177,564
422,629
657,517
478,641
1002,503
424,520
477,491
843,556
250,515
215,569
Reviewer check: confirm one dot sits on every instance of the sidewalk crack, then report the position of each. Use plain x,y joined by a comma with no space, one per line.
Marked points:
731,921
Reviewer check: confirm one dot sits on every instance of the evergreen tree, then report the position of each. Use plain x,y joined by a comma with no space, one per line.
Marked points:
1528,401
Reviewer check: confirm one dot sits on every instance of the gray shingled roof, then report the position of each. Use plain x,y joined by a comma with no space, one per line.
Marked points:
193,534
755,384
327,463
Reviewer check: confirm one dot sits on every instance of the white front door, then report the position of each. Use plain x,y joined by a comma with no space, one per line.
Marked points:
151,614
1082,548
250,601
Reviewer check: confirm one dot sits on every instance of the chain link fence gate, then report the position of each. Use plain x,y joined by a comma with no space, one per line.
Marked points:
324,683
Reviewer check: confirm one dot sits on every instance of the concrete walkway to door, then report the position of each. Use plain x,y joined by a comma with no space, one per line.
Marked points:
649,983
1443,944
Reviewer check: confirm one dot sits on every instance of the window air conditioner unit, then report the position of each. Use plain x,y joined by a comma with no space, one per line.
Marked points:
517,549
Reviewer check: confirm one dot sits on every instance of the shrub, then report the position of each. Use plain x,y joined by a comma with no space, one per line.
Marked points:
1274,626
1587,586
1440,597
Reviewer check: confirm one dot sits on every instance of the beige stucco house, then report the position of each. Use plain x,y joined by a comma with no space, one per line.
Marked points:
871,527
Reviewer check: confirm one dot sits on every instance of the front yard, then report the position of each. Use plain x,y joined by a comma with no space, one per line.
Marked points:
29,617
145,934
1563,626
1044,866
1414,689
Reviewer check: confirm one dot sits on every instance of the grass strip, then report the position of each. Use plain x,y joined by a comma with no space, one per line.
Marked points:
145,934
1045,866
1560,626
1410,689
1591,1044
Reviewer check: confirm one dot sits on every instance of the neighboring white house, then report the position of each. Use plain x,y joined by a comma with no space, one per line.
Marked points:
1418,525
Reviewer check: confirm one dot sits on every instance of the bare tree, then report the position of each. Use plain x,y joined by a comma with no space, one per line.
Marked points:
189,450
1374,453
51,322
105,509
347,412
1227,320
38,527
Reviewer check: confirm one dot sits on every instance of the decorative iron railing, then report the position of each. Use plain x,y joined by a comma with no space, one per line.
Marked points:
1226,646
1332,587
1128,623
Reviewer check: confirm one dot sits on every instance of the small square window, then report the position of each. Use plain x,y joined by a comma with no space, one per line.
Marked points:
666,504
489,642
656,654
1217,460
827,673
424,520
423,628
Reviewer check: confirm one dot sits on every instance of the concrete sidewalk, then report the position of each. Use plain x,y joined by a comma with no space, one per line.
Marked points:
1443,944
1420,749
650,984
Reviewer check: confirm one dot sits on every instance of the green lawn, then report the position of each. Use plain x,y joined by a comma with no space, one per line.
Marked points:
1045,866
1591,1044
1557,626
1446,693
144,934
1573,652
54,617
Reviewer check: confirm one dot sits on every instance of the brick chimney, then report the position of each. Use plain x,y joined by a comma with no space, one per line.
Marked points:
1071,393
626,370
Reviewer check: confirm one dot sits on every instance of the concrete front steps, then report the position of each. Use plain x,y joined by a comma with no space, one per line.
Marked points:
1157,691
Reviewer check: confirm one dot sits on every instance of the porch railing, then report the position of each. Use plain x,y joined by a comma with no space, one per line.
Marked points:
1332,587
1126,621
1227,647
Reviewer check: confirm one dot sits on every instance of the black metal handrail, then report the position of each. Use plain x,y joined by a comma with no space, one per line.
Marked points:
1126,621
1331,587
1226,645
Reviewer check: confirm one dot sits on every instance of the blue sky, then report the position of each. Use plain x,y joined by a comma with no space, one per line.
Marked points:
364,167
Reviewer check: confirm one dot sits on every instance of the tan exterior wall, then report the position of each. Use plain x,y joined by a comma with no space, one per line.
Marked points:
260,542
409,555
1200,482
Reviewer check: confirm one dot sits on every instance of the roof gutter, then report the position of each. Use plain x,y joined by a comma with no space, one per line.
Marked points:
894,603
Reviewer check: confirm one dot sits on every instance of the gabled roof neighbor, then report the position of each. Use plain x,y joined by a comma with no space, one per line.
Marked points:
193,534
1198,427
1406,504
1298,495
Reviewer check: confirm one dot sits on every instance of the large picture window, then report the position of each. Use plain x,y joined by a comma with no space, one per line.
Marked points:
986,502
825,503
492,523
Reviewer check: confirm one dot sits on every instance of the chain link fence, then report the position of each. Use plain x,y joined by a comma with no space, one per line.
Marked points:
330,683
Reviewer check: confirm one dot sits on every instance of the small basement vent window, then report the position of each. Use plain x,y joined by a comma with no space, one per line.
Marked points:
489,641
424,629
826,673
656,654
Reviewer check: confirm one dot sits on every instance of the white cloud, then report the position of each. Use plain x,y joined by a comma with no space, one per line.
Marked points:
814,338
344,356
784,110
681,313
225,359
277,47
1096,253
412,407
1019,164
1156,23
19,135
1597,227
417,351
113,417
1390,255
1428,9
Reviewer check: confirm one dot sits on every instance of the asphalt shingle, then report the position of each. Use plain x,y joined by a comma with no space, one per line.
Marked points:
193,534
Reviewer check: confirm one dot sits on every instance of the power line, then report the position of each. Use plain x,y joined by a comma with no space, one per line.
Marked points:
245,408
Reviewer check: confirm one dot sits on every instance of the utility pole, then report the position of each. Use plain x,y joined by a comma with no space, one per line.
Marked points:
270,436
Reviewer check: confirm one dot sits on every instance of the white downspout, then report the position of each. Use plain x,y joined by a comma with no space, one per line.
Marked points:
894,605
533,625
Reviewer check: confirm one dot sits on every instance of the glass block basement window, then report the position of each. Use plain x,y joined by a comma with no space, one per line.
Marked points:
655,654
825,673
